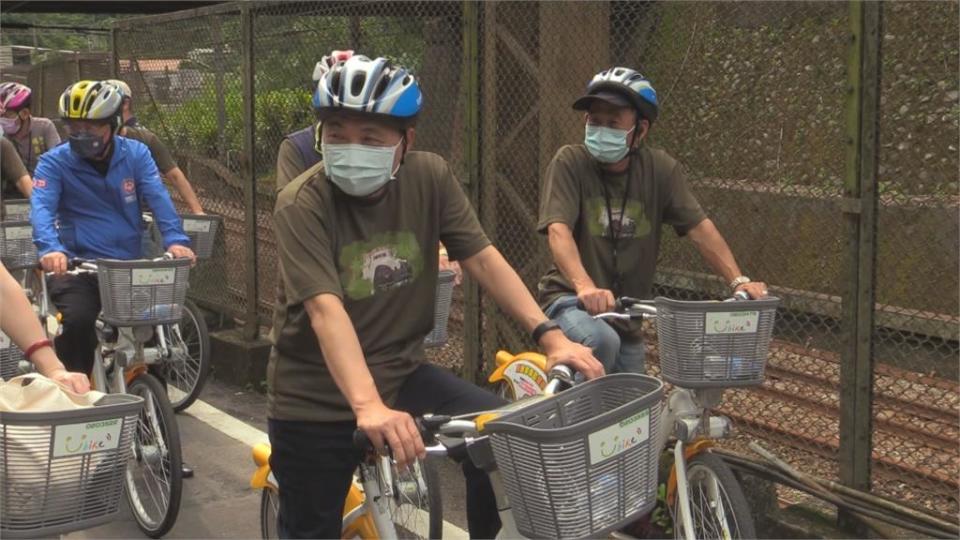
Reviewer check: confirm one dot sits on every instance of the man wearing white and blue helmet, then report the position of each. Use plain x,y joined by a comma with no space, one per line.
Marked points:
602,206
356,241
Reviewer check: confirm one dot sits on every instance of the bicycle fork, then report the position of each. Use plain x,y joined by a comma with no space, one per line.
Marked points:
686,415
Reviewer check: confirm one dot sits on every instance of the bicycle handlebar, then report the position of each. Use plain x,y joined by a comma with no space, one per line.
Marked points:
627,308
431,425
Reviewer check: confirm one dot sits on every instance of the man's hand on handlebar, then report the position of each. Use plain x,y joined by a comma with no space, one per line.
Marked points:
561,350
595,300
182,252
395,428
54,262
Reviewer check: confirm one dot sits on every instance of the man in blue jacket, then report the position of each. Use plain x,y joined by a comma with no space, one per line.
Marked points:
86,203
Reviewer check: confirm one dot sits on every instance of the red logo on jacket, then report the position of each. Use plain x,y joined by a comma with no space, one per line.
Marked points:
129,186
39,183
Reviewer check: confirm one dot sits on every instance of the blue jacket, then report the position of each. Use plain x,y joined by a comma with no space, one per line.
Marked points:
100,217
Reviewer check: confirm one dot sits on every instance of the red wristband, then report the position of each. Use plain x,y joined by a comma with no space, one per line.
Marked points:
36,346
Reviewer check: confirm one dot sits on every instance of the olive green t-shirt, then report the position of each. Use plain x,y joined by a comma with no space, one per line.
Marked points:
11,170
159,151
380,258
573,193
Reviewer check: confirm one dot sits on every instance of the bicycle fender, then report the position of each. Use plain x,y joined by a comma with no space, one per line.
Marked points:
698,446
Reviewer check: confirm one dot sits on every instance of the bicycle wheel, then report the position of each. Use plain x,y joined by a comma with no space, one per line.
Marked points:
717,505
185,372
269,509
415,508
153,472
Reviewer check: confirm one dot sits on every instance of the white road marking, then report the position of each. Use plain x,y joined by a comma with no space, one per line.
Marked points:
250,436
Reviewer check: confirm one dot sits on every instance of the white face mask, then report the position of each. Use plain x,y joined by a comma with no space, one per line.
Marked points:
357,169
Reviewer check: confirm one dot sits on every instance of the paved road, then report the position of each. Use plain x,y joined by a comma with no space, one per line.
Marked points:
217,433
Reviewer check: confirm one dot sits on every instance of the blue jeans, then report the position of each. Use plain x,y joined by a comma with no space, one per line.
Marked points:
617,354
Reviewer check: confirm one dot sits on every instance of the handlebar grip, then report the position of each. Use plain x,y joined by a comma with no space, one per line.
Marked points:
361,441
741,295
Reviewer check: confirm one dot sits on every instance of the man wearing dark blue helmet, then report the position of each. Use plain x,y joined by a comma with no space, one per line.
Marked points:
357,241
602,207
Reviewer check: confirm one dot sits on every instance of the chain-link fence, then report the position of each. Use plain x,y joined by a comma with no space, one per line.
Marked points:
755,103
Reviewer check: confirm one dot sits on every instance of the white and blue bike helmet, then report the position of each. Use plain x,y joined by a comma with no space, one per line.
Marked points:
622,86
362,85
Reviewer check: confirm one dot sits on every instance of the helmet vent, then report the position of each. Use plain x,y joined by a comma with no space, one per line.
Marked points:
356,85
381,87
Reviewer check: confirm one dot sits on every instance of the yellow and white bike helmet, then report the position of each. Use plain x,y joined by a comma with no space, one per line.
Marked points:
91,100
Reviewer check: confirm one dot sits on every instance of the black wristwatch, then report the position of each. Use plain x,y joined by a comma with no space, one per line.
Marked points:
542,329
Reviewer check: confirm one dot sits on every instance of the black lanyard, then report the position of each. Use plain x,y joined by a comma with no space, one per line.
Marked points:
615,236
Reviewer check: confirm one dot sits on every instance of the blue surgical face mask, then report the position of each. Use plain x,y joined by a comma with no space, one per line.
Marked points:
87,145
358,169
606,145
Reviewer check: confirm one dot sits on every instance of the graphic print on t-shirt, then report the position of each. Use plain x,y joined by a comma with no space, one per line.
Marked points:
383,262
634,225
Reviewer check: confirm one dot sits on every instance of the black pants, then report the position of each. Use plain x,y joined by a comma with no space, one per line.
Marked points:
78,299
314,461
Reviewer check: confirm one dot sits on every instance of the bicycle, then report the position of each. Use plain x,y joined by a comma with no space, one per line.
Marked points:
700,363
139,299
705,348
381,498
187,368
576,463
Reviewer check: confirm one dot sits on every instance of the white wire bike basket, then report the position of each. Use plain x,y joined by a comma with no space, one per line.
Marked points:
64,471
714,344
583,462
17,249
202,230
142,292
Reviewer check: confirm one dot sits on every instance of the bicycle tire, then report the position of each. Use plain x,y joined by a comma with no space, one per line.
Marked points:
409,503
186,372
269,509
152,453
714,487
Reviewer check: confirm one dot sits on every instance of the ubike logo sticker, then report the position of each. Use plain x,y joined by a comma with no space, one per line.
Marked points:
196,225
86,438
733,322
19,233
154,276
618,438
527,379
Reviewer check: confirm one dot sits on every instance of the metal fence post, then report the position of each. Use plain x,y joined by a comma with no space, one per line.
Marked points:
114,61
251,325
860,207
471,83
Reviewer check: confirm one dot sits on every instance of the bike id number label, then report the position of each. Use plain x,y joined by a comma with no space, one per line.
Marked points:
614,440
154,276
86,438
19,233
196,225
734,322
